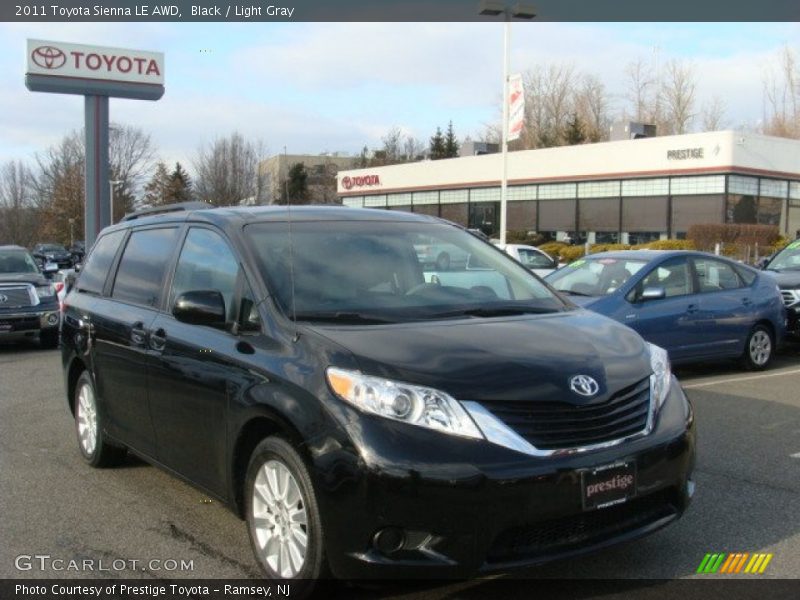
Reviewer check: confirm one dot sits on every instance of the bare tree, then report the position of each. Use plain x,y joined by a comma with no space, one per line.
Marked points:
131,154
391,149
18,215
227,171
549,104
642,93
413,149
713,114
782,97
592,108
678,92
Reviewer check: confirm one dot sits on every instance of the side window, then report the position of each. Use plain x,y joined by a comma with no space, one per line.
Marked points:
672,275
206,263
714,275
140,275
93,275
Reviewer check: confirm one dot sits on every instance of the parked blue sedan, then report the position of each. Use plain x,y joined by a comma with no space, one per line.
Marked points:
695,305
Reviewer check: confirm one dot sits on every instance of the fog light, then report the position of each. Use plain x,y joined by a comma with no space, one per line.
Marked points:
389,540
52,318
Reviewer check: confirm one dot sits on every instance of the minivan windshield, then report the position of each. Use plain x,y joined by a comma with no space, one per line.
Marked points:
366,272
787,259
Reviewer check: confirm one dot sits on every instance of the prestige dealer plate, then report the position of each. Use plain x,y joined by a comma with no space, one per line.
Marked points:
608,485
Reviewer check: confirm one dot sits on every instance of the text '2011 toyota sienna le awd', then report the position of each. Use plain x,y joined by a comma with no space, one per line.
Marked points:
368,414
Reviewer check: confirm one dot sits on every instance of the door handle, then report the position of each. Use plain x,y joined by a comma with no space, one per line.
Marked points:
746,301
158,339
692,308
138,333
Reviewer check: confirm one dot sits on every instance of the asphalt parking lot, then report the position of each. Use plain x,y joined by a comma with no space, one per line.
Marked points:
747,500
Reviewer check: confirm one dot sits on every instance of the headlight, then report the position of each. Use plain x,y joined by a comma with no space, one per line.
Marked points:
661,378
45,291
411,404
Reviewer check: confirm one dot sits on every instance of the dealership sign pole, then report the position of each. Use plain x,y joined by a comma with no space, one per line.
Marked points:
97,73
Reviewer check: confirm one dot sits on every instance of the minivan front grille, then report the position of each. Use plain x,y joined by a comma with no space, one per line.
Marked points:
16,296
565,533
561,425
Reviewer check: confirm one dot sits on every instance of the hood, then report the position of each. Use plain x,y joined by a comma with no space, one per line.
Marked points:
33,278
523,358
786,280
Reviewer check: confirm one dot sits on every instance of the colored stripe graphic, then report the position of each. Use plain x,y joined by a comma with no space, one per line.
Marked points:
734,563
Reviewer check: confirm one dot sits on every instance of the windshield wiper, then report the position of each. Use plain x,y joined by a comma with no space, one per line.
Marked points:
340,317
574,293
496,311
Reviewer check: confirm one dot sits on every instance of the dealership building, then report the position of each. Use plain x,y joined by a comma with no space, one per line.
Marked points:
629,191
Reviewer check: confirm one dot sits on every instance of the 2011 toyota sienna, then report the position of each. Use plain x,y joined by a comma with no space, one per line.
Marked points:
366,416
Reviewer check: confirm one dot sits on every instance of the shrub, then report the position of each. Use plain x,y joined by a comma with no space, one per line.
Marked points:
705,236
570,253
554,248
666,245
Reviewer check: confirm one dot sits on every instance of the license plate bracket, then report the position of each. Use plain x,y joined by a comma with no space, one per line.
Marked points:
608,485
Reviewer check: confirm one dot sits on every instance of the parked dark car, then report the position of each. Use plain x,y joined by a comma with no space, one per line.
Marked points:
52,253
784,266
28,299
78,251
695,305
295,364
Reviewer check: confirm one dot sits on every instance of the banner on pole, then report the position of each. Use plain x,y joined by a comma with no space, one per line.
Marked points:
516,106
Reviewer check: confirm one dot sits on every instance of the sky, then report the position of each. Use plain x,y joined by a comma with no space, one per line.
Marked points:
336,87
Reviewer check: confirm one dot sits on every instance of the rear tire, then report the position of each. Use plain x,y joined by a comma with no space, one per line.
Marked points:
282,514
96,451
759,348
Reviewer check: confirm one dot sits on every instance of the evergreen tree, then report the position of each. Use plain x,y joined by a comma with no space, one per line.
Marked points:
574,131
180,185
437,148
298,184
156,192
450,142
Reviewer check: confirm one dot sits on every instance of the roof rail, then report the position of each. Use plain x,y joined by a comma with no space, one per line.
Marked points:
166,208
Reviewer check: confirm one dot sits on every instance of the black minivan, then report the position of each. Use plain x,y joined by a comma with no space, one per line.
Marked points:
368,415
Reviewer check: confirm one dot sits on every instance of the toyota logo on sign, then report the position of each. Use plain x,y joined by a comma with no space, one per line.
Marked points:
48,57
583,385
347,183
360,181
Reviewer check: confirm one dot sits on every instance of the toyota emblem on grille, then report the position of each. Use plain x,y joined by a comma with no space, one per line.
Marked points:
3,298
583,385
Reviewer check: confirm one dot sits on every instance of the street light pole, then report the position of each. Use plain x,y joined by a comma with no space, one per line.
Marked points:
111,184
504,137
494,8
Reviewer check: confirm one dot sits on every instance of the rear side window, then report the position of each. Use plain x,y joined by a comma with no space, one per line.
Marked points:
714,275
140,276
94,272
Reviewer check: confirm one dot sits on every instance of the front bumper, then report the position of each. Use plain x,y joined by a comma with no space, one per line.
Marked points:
450,507
28,322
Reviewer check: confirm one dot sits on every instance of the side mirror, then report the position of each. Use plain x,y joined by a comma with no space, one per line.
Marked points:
762,262
202,307
50,267
653,293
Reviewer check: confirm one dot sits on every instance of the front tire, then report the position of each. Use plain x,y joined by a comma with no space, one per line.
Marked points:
282,513
759,347
96,451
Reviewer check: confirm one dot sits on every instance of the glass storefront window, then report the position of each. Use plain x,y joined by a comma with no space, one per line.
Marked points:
745,186
598,189
453,196
693,186
521,192
486,217
355,201
378,201
645,187
557,190
484,195
643,237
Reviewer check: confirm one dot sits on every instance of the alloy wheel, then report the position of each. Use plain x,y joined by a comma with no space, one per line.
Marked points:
87,420
760,348
280,519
